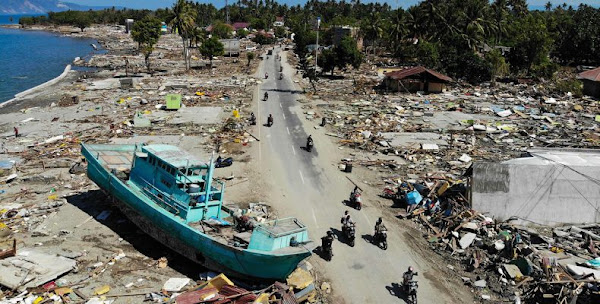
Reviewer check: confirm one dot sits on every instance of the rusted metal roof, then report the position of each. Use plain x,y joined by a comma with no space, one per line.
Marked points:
399,75
593,75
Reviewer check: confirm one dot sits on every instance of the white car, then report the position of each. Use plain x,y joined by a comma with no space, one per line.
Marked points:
250,48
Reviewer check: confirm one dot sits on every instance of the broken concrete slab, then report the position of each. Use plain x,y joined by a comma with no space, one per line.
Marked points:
467,240
31,268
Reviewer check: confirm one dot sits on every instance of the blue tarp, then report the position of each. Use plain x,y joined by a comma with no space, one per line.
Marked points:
413,197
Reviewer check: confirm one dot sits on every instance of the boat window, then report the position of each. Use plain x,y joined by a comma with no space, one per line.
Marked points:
183,171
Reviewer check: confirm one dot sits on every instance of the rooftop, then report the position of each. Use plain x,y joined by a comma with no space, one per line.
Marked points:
593,75
399,75
174,156
567,157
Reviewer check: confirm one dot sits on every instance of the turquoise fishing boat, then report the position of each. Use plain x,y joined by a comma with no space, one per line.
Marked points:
172,196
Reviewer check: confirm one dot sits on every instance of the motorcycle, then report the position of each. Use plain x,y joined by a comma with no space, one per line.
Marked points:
327,249
380,239
411,291
223,162
280,69
280,76
253,120
266,96
355,200
350,233
309,145
270,121
267,74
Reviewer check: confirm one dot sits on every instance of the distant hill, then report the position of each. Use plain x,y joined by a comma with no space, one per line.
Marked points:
16,7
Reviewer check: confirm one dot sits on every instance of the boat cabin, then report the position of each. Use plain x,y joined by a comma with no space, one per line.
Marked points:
278,234
178,181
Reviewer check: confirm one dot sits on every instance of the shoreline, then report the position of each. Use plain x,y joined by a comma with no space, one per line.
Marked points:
30,93
25,94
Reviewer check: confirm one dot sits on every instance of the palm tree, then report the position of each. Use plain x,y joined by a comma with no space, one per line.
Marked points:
373,28
182,20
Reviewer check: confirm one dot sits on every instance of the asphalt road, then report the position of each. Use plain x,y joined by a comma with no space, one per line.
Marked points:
309,186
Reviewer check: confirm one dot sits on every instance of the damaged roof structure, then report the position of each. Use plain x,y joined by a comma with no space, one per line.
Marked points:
416,79
591,82
548,186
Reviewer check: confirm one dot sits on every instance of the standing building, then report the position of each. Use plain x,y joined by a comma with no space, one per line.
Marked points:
591,82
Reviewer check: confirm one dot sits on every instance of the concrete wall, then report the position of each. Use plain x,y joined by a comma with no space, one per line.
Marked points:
543,194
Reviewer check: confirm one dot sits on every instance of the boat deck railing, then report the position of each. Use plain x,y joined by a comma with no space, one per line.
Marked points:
163,198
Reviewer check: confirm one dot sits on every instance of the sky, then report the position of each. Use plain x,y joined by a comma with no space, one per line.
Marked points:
154,4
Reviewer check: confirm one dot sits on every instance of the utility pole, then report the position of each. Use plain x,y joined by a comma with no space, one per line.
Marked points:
226,12
317,50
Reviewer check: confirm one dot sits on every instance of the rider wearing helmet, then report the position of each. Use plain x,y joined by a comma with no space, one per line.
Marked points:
408,275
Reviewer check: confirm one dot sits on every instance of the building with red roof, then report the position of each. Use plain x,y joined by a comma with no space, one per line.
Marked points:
413,79
591,82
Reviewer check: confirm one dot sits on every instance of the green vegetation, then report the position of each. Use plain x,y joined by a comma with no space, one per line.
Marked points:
212,47
221,30
342,55
146,33
250,57
458,37
574,86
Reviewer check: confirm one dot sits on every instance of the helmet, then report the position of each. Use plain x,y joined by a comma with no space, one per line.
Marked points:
380,220
346,213
329,233
411,269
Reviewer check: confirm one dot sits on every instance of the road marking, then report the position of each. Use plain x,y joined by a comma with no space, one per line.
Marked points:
280,105
301,177
283,115
314,217
294,150
288,129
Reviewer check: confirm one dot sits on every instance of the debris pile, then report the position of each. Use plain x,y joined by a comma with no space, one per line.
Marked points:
503,261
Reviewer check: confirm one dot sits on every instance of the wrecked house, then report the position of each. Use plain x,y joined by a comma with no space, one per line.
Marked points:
591,82
416,79
548,186
231,47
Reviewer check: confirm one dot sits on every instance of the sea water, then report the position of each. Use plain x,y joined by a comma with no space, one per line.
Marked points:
30,58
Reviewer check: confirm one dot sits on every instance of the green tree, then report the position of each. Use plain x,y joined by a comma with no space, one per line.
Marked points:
182,20
347,53
531,46
212,47
263,39
279,32
197,36
221,30
250,57
498,64
241,33
146,33
81,20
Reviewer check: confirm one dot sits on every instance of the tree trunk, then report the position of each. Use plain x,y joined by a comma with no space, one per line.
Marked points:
147,59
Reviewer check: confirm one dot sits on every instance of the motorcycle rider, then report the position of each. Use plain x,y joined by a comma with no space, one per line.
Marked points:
309,142
270,120
252,119
347,221
266,95
266,74
379,227
408,276
326,242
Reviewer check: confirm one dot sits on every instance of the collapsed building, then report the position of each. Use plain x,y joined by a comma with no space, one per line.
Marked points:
547,186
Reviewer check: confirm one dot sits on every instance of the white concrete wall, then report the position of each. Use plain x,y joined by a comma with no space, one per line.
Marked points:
542,194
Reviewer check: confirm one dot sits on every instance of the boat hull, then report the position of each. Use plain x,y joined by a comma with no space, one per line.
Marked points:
171,231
